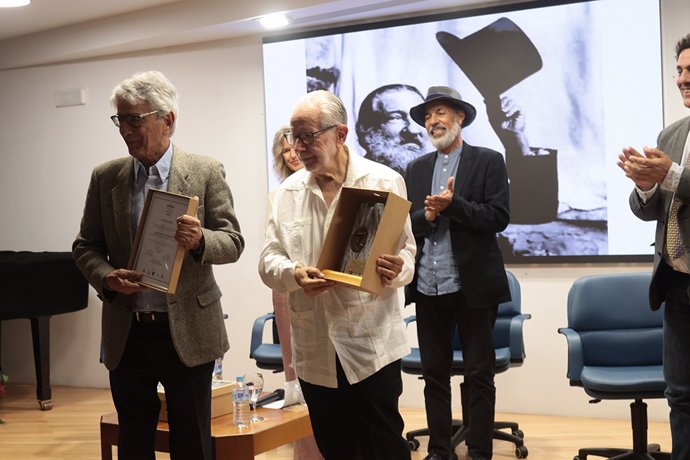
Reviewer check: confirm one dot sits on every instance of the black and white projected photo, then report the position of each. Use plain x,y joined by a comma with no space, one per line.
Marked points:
558,89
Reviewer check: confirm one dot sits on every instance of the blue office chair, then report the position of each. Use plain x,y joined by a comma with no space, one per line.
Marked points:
510,352
615,351
266,354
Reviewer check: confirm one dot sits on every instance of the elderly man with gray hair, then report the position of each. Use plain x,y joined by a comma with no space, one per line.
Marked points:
347,344
149,336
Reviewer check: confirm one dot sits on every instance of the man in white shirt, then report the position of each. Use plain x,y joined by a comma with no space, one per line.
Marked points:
347,344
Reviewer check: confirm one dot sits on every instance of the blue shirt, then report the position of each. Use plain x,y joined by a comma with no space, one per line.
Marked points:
437,271
157,178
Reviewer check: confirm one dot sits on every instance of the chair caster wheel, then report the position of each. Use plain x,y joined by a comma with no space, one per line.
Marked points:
519,433
413,444
521,452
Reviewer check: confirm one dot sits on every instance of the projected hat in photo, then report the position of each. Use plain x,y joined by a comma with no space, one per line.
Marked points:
447,94
494,58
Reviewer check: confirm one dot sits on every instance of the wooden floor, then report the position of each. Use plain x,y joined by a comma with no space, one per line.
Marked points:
70,430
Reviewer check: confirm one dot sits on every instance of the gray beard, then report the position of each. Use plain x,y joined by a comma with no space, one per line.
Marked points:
447,139
396,156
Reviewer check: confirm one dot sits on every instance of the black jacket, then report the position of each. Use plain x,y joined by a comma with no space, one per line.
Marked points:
479,210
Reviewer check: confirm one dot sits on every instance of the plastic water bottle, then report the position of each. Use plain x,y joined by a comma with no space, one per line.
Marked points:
218,369
240,402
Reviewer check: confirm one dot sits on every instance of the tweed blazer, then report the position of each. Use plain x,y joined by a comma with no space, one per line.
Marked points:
670,141
479,209
105,239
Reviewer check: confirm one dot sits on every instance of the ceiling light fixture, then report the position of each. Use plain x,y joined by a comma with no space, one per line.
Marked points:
13,3
274,21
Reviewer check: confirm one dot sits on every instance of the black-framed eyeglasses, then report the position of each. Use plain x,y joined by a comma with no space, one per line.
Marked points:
132,119
305,138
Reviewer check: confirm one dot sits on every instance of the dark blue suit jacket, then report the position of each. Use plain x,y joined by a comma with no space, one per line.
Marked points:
479,211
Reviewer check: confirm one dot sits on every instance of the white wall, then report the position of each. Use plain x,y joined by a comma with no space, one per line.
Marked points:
47,155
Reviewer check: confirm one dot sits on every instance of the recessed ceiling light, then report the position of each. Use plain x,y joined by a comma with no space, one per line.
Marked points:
13,3
274,21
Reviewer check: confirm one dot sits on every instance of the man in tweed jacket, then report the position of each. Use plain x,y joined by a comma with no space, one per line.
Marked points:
150,336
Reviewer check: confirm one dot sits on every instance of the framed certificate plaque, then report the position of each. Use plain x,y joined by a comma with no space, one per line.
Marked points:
155,252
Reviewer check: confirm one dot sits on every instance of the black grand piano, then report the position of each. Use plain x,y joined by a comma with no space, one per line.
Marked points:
36,286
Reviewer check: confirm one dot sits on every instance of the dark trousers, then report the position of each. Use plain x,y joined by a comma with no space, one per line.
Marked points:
149,358
437,319
676,287
360,421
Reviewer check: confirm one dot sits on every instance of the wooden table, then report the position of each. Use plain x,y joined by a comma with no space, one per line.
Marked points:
280,426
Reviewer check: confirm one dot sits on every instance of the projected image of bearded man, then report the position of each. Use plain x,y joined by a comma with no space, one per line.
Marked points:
385,130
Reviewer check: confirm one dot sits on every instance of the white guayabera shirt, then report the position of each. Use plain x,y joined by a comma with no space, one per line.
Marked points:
366,331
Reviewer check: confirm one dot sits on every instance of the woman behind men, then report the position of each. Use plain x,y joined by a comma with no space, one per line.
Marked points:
286,162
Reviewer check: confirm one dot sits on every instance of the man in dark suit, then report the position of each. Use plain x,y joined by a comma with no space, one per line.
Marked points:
150,336
662,193
460,201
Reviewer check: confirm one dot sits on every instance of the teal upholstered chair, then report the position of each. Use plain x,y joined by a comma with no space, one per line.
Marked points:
615,351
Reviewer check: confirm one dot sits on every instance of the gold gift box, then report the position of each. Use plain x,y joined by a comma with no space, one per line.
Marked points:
386,239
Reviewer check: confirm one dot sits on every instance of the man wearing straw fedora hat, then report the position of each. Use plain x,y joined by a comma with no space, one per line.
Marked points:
460,201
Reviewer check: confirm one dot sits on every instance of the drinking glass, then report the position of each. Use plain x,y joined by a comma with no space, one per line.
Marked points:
255,385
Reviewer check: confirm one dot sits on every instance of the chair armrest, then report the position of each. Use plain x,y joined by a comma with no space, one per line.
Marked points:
575,362
409,320
258,332
516,338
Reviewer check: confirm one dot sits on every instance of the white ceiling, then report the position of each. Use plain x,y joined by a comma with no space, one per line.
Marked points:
43,15
53,31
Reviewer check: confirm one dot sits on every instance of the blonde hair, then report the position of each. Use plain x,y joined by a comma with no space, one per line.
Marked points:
281,168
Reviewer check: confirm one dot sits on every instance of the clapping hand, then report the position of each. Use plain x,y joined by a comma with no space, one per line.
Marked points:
435,204
645,170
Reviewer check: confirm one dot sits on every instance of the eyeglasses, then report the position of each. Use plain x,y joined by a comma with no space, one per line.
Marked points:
305,138
133,119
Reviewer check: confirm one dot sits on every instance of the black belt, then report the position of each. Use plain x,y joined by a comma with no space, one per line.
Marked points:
151,316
